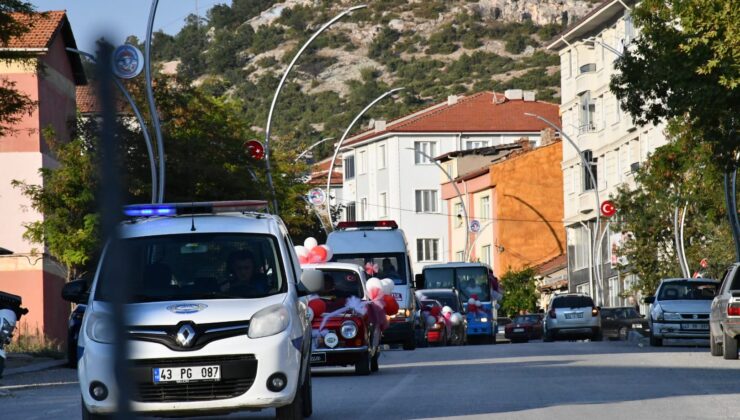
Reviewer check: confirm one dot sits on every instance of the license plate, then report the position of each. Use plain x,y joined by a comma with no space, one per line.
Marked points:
318,357
573,315
694,326
518,329
186,374
637,326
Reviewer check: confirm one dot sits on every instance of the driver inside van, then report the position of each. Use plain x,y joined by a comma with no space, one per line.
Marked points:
244,279
389,271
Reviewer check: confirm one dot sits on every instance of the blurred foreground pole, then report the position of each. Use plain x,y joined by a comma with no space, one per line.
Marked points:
110,199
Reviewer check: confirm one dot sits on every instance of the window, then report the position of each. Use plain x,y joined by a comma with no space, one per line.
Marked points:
426,201
381,156
582,288
588,183
460,256
427,249
383,204
475,144
458,214
428,148
587,68
485,208
582,248
485,254
363,208
569,66
361,163
349,212
349,167
629,28
587,113
613,291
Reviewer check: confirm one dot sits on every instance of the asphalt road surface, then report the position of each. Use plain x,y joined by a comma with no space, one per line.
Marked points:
562,380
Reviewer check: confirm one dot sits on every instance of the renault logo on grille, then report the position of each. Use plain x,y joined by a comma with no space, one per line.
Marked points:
696,316
186,335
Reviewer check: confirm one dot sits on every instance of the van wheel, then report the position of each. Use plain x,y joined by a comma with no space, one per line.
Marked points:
362,367
294,410
654,341
729,347
87,415
374,361
714,347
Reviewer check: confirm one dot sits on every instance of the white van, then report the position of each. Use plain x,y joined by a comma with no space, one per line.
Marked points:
214,322
380,247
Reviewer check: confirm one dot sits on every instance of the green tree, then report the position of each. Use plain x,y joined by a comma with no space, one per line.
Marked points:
680,172
685,64
16,18
520,291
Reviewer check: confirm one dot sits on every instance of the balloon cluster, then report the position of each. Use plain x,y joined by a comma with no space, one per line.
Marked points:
311,252
475,307
443,315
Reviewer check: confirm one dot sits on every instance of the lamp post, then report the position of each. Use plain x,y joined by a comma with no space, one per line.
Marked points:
595,265
479,234
150,98
459,197
341,141
606,46
311,147
144,129
280,87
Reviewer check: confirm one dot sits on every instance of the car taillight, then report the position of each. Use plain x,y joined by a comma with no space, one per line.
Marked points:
551,313
733,310
594,311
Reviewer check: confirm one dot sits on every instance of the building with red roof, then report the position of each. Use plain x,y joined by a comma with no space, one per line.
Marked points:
30,272
389,169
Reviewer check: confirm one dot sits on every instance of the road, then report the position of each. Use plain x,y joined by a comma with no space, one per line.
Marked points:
562,380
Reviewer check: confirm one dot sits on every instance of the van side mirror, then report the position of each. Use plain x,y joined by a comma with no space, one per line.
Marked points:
649,299
76,291
419,281
311,282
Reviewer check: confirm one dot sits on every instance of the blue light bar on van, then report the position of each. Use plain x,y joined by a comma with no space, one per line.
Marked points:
368,224
214,207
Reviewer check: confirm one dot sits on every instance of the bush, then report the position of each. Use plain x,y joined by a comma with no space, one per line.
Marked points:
382,45
516,42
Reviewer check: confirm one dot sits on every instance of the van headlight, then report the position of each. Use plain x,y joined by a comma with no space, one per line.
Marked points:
269,321
99,327
671,316
349,329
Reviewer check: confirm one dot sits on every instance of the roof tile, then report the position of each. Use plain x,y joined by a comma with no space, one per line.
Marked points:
43,26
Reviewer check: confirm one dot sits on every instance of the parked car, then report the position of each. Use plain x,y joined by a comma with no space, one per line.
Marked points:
724,319
617,322
680,309
449,297
524,328
348,338
214,321
73,333
572,314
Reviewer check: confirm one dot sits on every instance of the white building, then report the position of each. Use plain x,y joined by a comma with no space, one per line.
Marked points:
384,177
591,116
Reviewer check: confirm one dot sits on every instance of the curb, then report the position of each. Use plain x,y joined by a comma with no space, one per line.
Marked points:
34,367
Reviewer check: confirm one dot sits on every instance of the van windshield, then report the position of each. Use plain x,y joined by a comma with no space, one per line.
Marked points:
391,265
468,280
198,266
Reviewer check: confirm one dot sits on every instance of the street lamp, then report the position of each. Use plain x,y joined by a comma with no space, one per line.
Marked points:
341,141
311,147
594,264
280,87
479,234
150,98
593,40
144,129
459,197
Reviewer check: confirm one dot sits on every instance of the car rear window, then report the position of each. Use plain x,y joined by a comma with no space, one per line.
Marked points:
572,302
341,284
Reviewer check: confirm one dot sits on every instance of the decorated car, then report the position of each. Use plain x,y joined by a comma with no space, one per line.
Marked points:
441,310
348,314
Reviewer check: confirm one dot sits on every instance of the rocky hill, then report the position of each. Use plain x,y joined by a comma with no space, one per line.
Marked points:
433,48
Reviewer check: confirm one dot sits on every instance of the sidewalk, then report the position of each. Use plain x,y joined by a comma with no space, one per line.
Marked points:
23,363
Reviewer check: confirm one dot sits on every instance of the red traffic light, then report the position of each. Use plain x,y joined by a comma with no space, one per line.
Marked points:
255,149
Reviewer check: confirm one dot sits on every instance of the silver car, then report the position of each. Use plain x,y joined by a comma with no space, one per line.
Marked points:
724,319
572,314
680,309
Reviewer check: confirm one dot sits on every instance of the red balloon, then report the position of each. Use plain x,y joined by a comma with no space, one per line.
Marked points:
472,307
391,306
317,306
435,311
303,259
319,252
373,292
255,149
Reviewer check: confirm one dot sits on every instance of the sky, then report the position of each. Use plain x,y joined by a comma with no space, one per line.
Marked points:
116,19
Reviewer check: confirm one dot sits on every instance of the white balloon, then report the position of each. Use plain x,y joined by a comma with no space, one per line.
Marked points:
374,283
446,309
387,286
456,319
310,243
329,252
301,251
471,301
477,303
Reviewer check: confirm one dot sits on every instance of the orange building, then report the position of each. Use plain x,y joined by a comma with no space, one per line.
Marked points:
30,272
514,194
